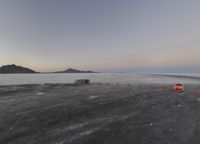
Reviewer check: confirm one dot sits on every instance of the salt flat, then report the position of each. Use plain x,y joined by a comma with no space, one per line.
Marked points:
99,113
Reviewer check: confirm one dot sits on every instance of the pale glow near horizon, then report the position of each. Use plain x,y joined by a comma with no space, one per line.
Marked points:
99,35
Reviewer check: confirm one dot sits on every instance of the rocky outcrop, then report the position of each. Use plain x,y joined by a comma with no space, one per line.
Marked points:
70,70
15,69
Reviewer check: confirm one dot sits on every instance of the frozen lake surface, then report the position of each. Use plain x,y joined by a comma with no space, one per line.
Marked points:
15,79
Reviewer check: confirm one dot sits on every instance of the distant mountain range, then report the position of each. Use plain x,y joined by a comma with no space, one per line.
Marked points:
19,69
70,70
15,69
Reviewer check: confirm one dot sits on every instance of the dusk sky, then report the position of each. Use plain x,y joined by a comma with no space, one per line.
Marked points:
101,35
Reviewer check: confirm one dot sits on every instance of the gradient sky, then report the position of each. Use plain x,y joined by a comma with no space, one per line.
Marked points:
101,35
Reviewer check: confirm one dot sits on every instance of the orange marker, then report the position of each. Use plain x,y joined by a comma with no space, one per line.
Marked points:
198,92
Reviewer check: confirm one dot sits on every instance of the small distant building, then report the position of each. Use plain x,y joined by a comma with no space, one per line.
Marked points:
82,81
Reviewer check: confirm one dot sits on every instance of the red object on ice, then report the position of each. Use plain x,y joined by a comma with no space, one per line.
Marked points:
178,87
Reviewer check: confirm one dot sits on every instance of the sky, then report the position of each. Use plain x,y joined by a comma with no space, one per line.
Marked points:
101,35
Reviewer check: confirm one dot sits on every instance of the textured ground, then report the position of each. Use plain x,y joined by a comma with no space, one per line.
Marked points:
99,114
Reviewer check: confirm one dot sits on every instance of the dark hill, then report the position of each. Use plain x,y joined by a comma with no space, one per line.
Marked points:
15,69
70,70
